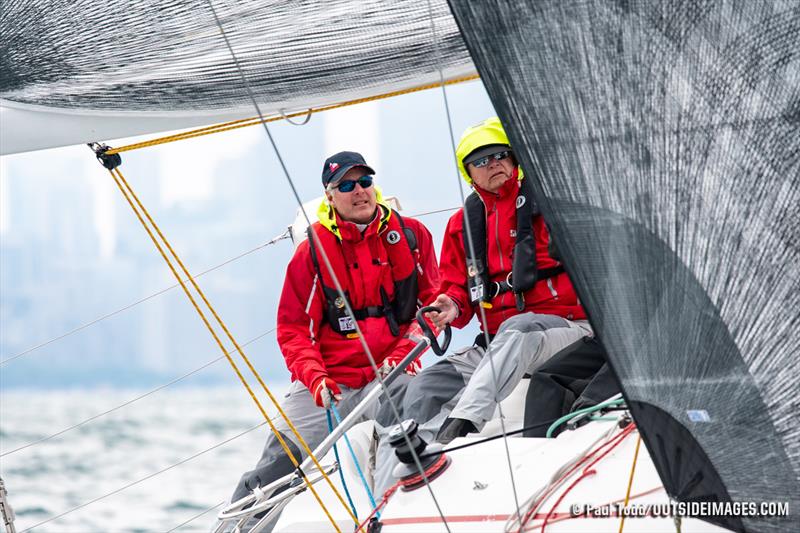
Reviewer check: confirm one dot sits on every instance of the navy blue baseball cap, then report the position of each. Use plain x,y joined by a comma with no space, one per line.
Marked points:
337,166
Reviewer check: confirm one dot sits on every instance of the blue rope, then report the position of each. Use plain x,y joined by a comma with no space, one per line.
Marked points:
336,453
358,467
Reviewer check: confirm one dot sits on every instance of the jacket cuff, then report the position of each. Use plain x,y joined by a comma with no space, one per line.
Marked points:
464,312
459,305
310,379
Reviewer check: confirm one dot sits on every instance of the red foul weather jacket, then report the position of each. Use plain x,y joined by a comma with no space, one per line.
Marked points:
309,344
553,296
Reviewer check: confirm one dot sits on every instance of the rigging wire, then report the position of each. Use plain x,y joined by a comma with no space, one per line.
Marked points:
195,517
130,197
132,400
329,268
176,380
293,123
324,256
472,254
484,440
149,476
445,210
282,236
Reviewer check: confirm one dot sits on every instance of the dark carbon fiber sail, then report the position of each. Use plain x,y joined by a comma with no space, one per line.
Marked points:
664,138
169,56
128,59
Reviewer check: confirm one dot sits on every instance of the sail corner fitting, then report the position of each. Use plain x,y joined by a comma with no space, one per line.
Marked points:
108,160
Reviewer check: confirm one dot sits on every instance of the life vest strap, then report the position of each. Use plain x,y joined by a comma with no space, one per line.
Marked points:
372,311
501,287
399,310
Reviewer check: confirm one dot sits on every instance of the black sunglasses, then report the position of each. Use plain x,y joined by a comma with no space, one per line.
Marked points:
483,161
350,186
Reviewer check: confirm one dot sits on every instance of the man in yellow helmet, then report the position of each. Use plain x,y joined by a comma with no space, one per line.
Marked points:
495,263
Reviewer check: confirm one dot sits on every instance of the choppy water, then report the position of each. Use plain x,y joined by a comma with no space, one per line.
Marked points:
113,451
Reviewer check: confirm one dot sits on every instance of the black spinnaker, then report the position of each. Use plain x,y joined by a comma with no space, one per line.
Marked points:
664,137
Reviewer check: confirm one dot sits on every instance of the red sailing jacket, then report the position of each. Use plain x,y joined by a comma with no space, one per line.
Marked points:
553,296
310,346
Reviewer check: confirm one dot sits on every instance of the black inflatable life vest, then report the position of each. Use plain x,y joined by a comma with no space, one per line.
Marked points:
524,272
401,308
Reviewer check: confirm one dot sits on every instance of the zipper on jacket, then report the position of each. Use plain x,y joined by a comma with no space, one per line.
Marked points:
497,236
503,310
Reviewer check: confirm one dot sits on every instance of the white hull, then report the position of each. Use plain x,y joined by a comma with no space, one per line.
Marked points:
475,492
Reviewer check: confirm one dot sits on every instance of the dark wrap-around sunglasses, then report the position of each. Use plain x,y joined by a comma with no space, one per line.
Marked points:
350,186
483,161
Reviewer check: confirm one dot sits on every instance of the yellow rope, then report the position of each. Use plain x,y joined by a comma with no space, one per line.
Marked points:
122,184
630,481
128,193
242,123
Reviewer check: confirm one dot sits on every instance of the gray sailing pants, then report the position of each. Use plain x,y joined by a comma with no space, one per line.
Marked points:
312,423
468,385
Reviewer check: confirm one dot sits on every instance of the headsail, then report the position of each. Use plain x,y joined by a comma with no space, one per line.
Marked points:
73,73
664,137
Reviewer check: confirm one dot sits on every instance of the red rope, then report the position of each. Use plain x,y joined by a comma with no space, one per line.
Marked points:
587,471
583,475
386,496
535,505
619,500
405,482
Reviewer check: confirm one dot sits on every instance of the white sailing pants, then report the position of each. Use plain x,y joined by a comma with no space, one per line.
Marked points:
522,344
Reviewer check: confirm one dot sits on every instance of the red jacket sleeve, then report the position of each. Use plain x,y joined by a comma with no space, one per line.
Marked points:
427,276
428,271
453,269
300,314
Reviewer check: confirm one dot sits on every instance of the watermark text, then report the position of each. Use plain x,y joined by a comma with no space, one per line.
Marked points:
680,509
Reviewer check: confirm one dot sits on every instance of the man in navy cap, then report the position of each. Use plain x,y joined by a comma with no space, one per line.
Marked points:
385,264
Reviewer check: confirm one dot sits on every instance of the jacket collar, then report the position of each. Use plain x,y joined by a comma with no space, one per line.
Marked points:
509,189
330,220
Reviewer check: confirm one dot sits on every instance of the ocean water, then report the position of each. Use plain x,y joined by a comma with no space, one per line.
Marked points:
121,448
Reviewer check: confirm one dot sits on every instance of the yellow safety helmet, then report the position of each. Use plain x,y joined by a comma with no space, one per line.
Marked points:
490,132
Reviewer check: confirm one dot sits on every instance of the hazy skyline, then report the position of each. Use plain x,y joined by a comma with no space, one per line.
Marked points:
71,250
